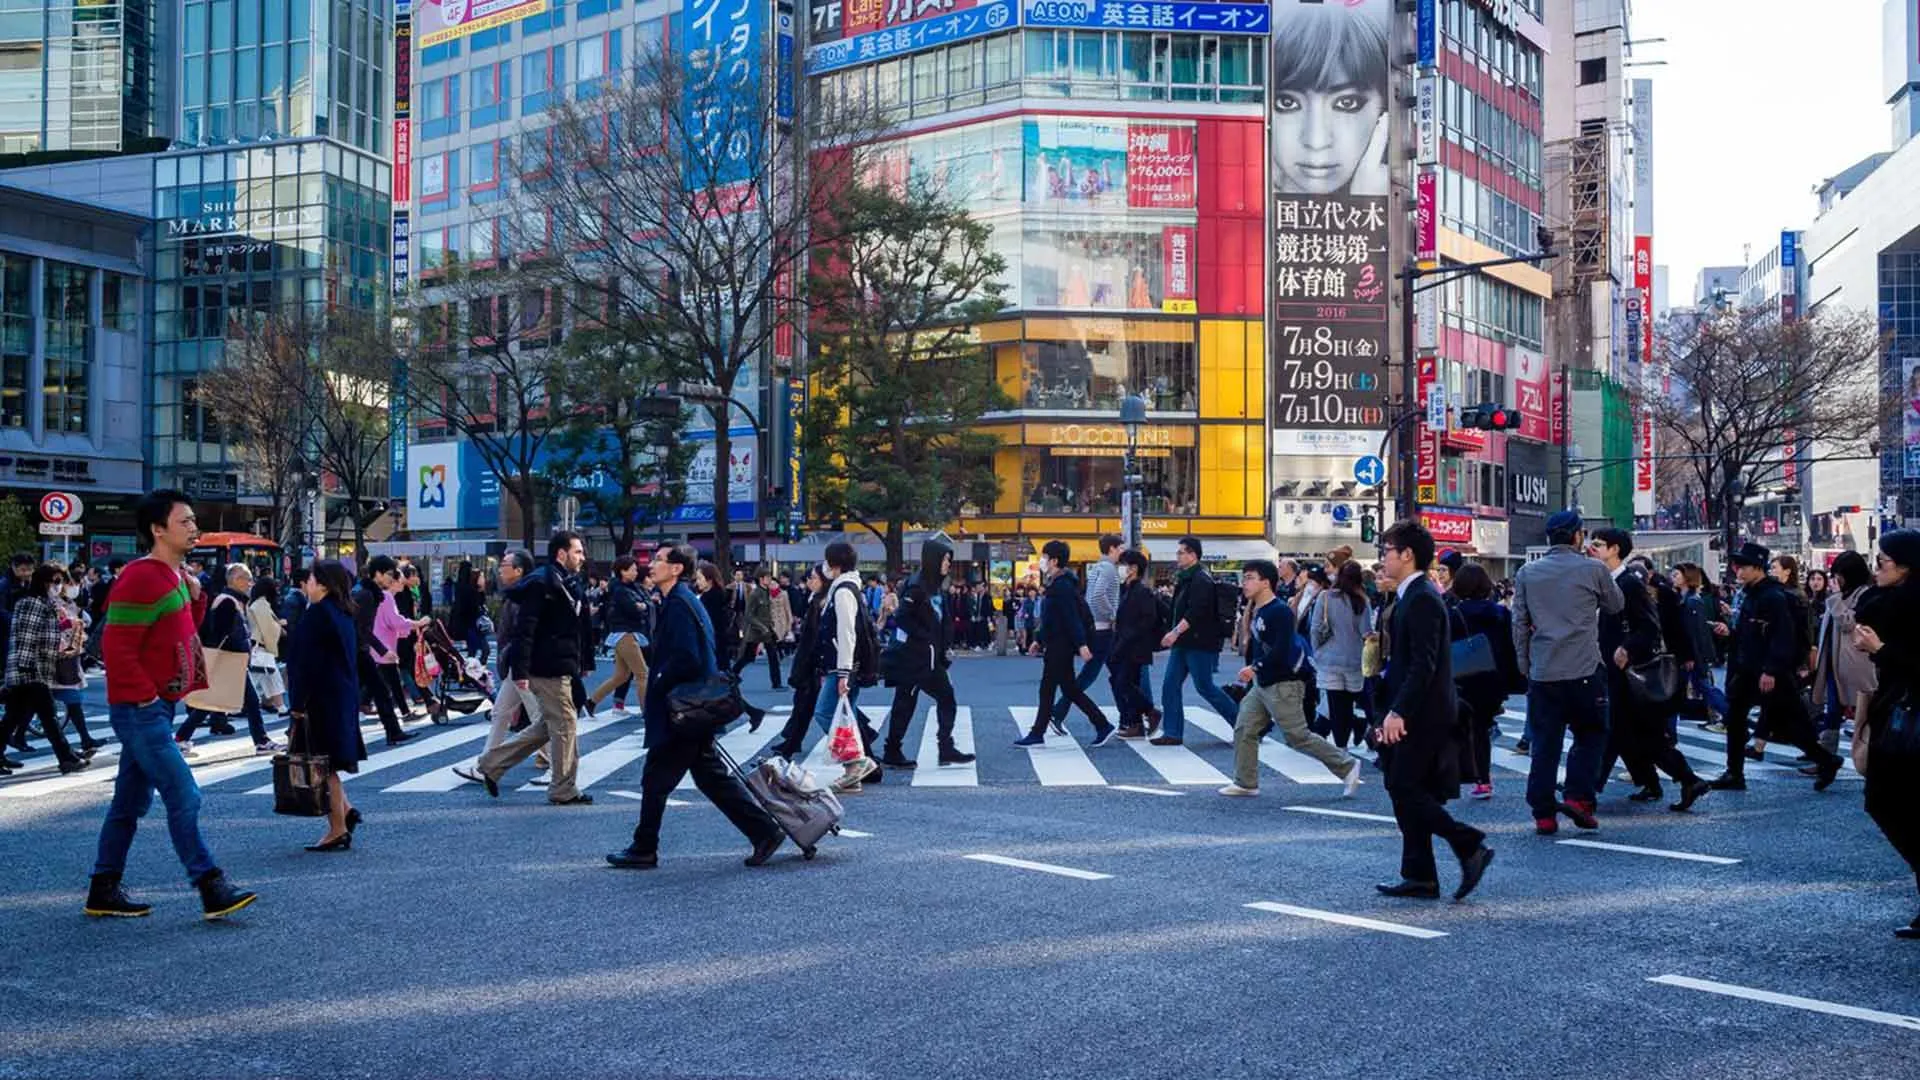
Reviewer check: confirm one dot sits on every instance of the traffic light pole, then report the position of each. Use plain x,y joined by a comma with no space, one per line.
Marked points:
1411,285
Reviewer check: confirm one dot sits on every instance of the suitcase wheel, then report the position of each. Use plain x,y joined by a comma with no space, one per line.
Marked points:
809,852
834,829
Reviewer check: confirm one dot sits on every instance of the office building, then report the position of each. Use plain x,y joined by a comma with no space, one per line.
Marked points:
81,79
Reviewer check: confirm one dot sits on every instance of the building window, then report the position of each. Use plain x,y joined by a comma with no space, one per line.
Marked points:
65,386
1094,374
16,337
1593,71
1089,480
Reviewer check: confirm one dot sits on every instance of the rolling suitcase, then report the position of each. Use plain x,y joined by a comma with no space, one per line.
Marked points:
805,810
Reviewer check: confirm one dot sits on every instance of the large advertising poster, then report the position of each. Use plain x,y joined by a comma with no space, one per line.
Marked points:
1074,163
722,46
444,20
705,466
1328,125
1531,394
1910,412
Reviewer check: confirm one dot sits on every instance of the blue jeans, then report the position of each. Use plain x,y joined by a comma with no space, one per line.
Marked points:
1702,679
829,700
150,761
1101,645
1201,664
1553,709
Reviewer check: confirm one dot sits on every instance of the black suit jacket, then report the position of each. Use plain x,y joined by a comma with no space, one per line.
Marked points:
1419,687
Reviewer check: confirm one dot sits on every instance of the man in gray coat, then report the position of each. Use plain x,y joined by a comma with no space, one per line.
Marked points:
1557,601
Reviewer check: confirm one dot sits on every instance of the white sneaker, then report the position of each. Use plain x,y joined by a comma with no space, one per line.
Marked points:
1236,789
185,746
617,710
1352,780
539,780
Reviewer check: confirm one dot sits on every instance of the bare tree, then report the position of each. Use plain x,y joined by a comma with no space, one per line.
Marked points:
480,365
1749,392
259,398
902,378
684,211
352,436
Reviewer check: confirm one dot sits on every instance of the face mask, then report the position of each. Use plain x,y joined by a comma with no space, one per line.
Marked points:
70,591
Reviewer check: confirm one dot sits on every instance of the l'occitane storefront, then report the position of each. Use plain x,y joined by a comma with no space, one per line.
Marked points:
1203,452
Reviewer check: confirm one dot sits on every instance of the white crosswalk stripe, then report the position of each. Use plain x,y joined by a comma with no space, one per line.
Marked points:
1060,762
933,774
1275,755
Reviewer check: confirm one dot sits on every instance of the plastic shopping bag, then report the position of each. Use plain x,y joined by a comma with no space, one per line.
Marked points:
843,739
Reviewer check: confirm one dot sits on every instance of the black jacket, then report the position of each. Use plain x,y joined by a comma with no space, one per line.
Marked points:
1136,624
806,640
628,610
1765,642
1194,601
1489,691
1636,628
1061,630
468,603
719,605
550,630
683,652
1419,687
366,605
927,633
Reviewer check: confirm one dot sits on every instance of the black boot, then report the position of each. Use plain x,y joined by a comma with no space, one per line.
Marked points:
106,899
896,758
951,755
218,897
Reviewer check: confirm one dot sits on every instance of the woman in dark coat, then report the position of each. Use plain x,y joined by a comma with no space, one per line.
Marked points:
323,690
714,597
1485,694
804,676
921,630
1888,629
468,604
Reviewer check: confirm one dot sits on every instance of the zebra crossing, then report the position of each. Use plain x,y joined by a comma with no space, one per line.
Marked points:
612,754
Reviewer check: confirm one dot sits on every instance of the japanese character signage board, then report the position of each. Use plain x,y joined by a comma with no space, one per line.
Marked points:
1327,126
723,44
963,22
1161,170
1171,16
443,20
1176,248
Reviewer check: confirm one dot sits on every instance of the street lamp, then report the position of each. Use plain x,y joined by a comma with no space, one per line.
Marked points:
1133,413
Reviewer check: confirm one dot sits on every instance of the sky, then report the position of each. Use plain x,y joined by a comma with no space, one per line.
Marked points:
1758,102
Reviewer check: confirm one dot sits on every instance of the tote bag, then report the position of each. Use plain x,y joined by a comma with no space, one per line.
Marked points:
226,690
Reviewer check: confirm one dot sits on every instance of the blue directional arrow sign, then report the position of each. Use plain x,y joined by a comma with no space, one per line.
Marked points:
1370,470
1342,513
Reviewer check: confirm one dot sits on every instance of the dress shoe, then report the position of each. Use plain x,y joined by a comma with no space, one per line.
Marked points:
1132,731
764,849
1165,740
396,740
1472,868
1754,755
629,859
1153,720
353,818
222,729
73,765
1414,890
755,717
955,757
1581,814
895,759
580,799
343,842
1829,771
1728,783
11,763
1909,932
1650,793
1690,793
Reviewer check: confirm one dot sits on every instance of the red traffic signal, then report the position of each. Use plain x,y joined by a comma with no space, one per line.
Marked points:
1489,418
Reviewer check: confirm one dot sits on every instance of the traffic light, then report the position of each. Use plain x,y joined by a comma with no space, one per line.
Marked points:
1489,418
1367,526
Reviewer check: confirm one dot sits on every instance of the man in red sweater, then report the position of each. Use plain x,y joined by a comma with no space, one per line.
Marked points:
152,654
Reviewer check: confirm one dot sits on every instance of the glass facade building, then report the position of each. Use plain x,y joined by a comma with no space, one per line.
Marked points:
271,69
296,224
83,75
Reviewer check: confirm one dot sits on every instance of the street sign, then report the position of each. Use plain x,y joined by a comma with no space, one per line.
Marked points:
1370,470
61,506
60,528
1437,408
1342,513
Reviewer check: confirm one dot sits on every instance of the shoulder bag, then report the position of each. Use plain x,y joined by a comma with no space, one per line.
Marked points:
1473,655
300,778
701,708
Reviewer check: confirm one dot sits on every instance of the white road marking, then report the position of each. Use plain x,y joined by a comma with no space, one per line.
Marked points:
1329,811
405,752
933,774
1044,868
855,833
636,797
1348,920
1062,761
1851,1012
1716,860
740,744
1177,764
614,754
1146,790
1274,754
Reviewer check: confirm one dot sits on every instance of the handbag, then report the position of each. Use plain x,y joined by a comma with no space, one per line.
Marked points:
1473,656
426,666
843,739
300,778
699,709
226,689
1370,656
1657,682
1898,735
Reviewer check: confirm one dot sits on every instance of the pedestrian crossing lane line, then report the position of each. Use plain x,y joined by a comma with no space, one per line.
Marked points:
411,750
1630,849
1275,755
582,729
1060,761
1044,868
933,774
1340,919
1177,764
1791,1001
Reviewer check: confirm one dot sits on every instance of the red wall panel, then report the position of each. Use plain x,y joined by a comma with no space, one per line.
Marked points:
1231,256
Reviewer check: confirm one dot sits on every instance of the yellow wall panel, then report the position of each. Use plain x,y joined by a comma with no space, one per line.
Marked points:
1006,467
1256,352
1009,371
1254,474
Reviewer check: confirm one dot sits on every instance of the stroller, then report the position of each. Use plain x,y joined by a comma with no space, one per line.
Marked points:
462,683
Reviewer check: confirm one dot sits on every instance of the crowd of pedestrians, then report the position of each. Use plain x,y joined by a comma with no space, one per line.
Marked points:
1414,659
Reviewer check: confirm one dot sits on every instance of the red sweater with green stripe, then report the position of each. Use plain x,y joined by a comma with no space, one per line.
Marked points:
152,644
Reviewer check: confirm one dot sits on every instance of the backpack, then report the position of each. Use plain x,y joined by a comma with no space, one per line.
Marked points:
1226,606
866,646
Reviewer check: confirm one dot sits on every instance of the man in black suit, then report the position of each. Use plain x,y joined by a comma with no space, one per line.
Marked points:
1421,735
1637,732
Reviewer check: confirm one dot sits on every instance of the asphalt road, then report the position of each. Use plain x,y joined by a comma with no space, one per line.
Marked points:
466,937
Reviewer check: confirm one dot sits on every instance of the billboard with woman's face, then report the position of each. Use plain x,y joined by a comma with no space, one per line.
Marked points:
1328,127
